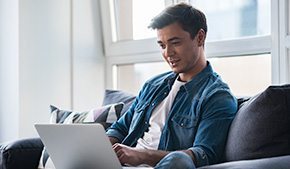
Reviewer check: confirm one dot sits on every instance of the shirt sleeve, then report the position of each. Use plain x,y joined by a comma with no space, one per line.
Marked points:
218,111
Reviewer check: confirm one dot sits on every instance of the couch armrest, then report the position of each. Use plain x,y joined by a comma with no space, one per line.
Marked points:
279,162
22,153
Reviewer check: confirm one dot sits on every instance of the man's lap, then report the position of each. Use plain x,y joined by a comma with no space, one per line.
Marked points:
176,160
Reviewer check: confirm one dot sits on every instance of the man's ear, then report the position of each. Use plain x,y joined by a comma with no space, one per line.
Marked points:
201,37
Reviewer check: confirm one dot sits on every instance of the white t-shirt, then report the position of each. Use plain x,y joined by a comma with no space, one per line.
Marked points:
151,138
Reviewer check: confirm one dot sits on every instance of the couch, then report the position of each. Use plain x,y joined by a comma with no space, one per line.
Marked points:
259,136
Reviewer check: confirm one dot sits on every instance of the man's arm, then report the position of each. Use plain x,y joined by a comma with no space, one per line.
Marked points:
133,156
217,114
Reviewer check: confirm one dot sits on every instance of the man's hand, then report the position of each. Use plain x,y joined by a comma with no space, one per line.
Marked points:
113,140
134,157
128,155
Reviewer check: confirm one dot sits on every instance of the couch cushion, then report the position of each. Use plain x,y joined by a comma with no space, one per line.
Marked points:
22,153
261,126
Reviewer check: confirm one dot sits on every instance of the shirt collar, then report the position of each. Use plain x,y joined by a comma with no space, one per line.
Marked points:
204,74
195,80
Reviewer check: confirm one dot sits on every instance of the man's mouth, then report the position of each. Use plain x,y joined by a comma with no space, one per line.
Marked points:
174,62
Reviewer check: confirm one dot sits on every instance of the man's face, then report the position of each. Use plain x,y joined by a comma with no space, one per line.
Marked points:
182,53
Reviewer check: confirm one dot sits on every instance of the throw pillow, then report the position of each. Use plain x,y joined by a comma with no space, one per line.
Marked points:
261,126
115,96
106,115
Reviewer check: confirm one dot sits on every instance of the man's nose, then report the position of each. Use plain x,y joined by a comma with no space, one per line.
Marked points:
169,51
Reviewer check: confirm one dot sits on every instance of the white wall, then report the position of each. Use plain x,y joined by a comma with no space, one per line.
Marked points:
88,57
44,60
9,69
60,62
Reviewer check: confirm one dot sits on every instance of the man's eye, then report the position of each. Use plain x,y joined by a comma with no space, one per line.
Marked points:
162,46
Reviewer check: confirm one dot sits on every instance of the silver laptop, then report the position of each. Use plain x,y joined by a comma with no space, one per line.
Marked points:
79,146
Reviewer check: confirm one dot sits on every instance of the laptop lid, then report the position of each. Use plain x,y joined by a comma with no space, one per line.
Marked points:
78,146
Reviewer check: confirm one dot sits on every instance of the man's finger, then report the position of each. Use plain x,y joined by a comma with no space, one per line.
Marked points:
117,147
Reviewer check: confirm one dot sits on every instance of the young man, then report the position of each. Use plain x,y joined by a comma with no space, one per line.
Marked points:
180,119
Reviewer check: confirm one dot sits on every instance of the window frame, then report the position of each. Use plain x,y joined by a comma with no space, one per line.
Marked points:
280,30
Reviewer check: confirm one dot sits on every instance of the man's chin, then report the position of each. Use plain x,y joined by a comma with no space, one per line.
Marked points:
175,70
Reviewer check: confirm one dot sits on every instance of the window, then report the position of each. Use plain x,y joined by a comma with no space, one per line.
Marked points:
288,14
246,75
230,19
238,40
131,77
132,18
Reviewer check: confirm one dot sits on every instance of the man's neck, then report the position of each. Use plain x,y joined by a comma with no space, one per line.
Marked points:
186,77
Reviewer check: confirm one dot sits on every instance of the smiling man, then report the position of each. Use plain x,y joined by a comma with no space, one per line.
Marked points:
180,119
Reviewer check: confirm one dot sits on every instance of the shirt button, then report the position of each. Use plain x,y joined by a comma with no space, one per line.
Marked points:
182,124
152,104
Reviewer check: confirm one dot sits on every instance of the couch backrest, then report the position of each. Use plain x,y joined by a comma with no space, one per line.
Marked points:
261,127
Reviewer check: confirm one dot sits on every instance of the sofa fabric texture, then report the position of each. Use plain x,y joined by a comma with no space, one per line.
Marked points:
261,127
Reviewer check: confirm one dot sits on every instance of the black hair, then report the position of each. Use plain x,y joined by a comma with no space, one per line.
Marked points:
190,19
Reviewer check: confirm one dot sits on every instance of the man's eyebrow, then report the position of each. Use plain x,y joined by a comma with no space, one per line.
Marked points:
159,41
169,40
173,39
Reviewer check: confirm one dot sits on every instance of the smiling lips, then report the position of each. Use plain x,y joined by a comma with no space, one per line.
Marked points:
173,62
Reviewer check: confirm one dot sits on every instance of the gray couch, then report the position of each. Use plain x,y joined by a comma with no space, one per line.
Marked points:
259,137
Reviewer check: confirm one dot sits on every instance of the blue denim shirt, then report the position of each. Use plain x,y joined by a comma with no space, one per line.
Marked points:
199,119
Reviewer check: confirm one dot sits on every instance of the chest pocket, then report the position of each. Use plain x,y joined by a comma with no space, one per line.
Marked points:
184,121
183,129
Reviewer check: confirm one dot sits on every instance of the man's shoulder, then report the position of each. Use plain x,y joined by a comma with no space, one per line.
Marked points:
215,87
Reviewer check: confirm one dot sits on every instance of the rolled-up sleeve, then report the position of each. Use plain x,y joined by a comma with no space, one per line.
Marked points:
200,156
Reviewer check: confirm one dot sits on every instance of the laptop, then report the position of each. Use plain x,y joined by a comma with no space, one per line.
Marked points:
79,146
